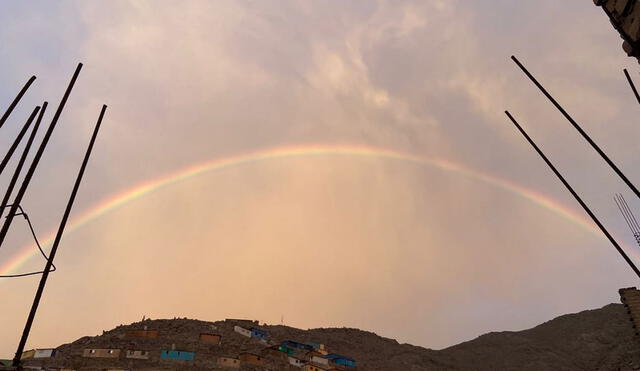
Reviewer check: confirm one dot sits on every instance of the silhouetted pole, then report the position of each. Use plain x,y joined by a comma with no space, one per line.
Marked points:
633,87
16,100
575,195
36,159
56,242
23,158
15,143
578,128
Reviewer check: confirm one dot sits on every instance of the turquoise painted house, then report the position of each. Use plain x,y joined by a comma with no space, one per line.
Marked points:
177,355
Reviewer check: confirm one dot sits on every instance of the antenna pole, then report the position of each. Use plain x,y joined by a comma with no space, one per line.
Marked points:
578,128
575,195
56,242
36,159
16,100
15,144
633,87
23,158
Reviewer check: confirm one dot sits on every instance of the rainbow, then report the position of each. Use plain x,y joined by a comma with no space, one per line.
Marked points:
145,188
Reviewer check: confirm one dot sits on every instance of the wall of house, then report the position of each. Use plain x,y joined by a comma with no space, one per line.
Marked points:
625,18
101,353
229,362
142,334
177,355
137,354
210,338
44,353
252,359
242,331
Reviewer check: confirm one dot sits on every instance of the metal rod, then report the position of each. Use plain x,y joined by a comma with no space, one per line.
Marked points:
23,158
15,144
633,87
579,129
36,159
56,242
16,100
575,195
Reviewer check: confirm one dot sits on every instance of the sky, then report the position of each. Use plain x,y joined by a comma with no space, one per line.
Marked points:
318,164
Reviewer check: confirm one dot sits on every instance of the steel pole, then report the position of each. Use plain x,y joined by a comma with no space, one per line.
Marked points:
575,195
56,242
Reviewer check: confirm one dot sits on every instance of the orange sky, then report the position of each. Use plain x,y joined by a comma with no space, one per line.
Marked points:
410,252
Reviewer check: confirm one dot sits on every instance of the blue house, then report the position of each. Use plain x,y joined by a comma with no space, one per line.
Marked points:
177,355
341,360
257,333
296,345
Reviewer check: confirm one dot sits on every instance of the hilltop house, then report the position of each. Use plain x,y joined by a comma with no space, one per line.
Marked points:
210,338
296,362
137,354
295,345
252,359
229,362
101,353
341,360
320,348
310,367
152,334
257,333
44,353
178,355
242,331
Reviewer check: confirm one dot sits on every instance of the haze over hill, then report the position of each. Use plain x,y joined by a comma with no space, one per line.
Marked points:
600,339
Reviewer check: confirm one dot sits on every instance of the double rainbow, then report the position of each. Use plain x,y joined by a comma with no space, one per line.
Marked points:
142,189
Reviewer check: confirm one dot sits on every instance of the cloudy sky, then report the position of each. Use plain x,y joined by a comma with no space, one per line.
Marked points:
343,235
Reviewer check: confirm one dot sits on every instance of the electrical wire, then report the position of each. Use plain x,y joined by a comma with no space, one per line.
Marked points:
35,238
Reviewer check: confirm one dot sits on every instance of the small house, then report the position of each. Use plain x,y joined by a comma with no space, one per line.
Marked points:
178,355
244,322
296,362
44,353
296,345
229,362
341,360
319,359
151,334
320,348
137,354
259,334
242,331
101,353
252,359
210,339
310,367
28,354
286,350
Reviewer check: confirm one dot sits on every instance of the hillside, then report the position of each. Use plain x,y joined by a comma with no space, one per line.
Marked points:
600,339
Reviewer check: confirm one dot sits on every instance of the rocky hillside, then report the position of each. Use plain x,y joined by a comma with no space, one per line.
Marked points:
600,339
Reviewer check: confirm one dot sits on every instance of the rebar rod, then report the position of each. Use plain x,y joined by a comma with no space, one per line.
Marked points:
633,86
15,144
578,128
13,104
37,157
56,242
576,196
23,158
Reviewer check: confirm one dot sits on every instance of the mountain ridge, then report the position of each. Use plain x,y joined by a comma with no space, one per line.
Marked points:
596,339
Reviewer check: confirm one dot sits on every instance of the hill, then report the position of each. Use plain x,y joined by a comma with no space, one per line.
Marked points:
600,339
